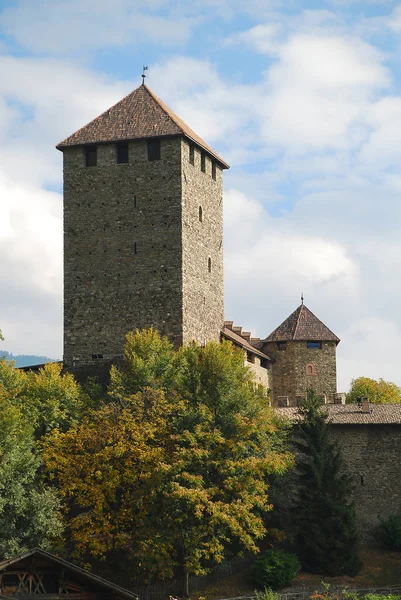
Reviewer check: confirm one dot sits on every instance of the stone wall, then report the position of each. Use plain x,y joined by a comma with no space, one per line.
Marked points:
290,370
202,239
262,375
371,454
135,252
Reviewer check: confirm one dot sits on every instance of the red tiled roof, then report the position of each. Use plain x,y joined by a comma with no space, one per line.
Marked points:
302,325
350,414
139,115
240,341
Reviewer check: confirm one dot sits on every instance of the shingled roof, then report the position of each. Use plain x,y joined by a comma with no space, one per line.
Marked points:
139,115
351,414
302,325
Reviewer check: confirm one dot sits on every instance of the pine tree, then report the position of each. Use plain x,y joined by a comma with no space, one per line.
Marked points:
326,537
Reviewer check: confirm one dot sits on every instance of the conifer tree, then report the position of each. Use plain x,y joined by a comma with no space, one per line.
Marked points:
326,537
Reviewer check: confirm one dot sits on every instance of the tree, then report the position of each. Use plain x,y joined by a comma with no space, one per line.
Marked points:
173,470
29,510
48,398
326,535
377,391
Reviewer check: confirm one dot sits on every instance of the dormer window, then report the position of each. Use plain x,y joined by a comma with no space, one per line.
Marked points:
91,156
203,162
122,152
154,150
313,344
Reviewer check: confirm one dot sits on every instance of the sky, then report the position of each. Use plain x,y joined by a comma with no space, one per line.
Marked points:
301,98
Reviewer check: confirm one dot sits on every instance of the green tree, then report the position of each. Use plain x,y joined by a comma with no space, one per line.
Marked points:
173,470
29,511
377,391
326,535
48,398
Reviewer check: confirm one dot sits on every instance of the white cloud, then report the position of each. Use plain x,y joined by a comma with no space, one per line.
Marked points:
73,26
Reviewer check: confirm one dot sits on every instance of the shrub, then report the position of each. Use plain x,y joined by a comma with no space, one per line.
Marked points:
266,594
391,531
275,569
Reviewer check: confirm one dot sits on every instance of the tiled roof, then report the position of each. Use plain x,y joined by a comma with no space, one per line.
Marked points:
302,325
350,414
139,115
240,341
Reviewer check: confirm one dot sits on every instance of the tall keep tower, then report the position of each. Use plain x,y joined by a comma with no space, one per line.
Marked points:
143,231
304,353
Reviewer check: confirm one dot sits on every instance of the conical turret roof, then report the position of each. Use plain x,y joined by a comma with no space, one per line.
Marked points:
302,325
139,115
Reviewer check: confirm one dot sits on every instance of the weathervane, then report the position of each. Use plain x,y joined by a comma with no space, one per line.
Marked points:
143,74
302,298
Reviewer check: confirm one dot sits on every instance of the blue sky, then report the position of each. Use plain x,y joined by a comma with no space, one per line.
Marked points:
303,99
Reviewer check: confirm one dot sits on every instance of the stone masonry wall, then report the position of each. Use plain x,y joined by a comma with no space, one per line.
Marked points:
371,454
290,375
122,248
202,238
261,375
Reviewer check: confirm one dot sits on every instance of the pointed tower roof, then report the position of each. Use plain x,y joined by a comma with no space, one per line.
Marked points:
302,325
139,115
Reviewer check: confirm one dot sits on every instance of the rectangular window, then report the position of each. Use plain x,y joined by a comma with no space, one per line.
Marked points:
317,345
122,152
90,156
203,162
214,170
192,154
250,357
153,149
281,345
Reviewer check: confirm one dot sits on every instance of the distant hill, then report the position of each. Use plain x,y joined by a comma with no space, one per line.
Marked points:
25,360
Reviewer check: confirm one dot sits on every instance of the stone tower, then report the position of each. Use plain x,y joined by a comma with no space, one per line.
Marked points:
143,231
304,351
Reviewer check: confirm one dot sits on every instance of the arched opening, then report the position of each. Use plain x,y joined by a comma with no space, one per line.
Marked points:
310,369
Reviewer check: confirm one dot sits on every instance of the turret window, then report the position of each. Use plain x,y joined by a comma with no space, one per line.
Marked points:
90,156
154,150
310,369
281,345
122,153
313,344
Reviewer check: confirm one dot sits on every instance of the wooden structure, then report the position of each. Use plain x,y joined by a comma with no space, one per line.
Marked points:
40,575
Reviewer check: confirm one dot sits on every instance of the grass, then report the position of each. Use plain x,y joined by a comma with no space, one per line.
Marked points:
381,568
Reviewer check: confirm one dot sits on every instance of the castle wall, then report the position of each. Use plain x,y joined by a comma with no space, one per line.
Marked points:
202,238
291,379
370,454
122,248
262,375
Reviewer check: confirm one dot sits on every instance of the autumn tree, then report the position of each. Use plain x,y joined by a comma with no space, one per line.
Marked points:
173,470
326,533
377,391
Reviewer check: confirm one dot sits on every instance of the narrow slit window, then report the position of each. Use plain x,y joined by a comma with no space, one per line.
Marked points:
91,156
122,152
154,150
203,162
200,214
209,264
192,154
135,248
214,170
134,201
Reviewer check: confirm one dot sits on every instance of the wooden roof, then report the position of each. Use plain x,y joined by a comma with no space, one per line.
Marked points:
139,115
302,325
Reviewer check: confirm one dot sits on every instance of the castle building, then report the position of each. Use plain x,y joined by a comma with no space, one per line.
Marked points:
143,231
303,350
143,246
